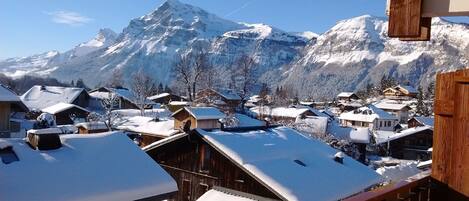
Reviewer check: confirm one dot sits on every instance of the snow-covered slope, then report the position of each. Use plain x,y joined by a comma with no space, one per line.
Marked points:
357,51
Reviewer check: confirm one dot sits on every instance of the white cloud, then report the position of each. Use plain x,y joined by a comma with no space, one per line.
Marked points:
69,18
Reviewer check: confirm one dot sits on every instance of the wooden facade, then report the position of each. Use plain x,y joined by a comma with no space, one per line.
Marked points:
65,117
211,96
166,99
5,110
197,167
451,139
182,117
411,147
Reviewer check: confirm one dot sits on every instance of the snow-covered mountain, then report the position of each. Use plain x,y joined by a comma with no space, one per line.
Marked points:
357,51
347,57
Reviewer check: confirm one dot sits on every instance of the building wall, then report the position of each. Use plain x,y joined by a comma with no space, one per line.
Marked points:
5,116
181,117
208,124
412,147
197,167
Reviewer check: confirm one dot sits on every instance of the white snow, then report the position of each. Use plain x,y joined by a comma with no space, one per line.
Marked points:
279,111
345,94
6,95
245,121
4,144
54,130
357,135
391,106
269,155
95,125
216,195
427,121
204,113
160,128
366,114
37,99
313,124
386,136
87,167
157,96
60,107
399,172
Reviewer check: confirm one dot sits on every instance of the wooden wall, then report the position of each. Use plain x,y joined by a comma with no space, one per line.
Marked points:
197,167
451,133
5,116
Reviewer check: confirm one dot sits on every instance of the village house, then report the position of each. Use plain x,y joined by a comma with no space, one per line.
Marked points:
399,110
174,106
92,127
10,103
197,117
66,113
165,98
421,121
40,97
225,99
218,193
410,144
152,131
349,106
370,117
400,92
285,113
126,100
105,166
277,163
347,97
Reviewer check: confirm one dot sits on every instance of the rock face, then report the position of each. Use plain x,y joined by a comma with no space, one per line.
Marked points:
347,57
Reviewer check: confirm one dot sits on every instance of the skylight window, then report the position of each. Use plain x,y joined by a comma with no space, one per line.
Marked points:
8,155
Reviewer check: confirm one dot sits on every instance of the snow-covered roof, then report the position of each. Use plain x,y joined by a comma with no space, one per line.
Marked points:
391,106
203,113
157,96
6,95
357,135
94,125
291,112
224,194
317,125
245,121
60,107
228,94
427,121
366,114
408,88
179,103
40,97
121,92
87,167
158,128
345,94
382,137
164,141
54,130
292,165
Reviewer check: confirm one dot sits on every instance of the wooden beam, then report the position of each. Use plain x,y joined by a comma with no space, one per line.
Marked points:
425,31
404,18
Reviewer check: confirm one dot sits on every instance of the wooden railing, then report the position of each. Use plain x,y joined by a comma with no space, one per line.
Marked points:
416,188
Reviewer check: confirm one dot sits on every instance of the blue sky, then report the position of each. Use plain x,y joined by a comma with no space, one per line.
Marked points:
34,26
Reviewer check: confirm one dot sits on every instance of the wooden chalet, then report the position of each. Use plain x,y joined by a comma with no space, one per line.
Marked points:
165,98
9,103
225,99
369,117
286,114
92,127
202,159
197,117
152,131
40,96
399,110
347,97
421,121
409,144
65,113
400,92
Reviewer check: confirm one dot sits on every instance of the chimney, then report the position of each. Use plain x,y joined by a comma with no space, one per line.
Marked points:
44,139
339,157
43,88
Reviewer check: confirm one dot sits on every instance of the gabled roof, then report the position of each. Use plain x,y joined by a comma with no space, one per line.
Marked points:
40,97
157,96
60,107
291,112
293,166
7,95
345,94
409,89
392,106
427,121
95,125
203,113
386,136
366,114
227,94
87,167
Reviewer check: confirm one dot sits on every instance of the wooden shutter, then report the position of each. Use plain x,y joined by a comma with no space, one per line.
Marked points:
451,132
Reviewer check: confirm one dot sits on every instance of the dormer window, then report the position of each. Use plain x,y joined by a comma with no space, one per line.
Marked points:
8,155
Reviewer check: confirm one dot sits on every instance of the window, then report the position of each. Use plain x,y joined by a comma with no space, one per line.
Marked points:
299,162
8,155
380,124
389,123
